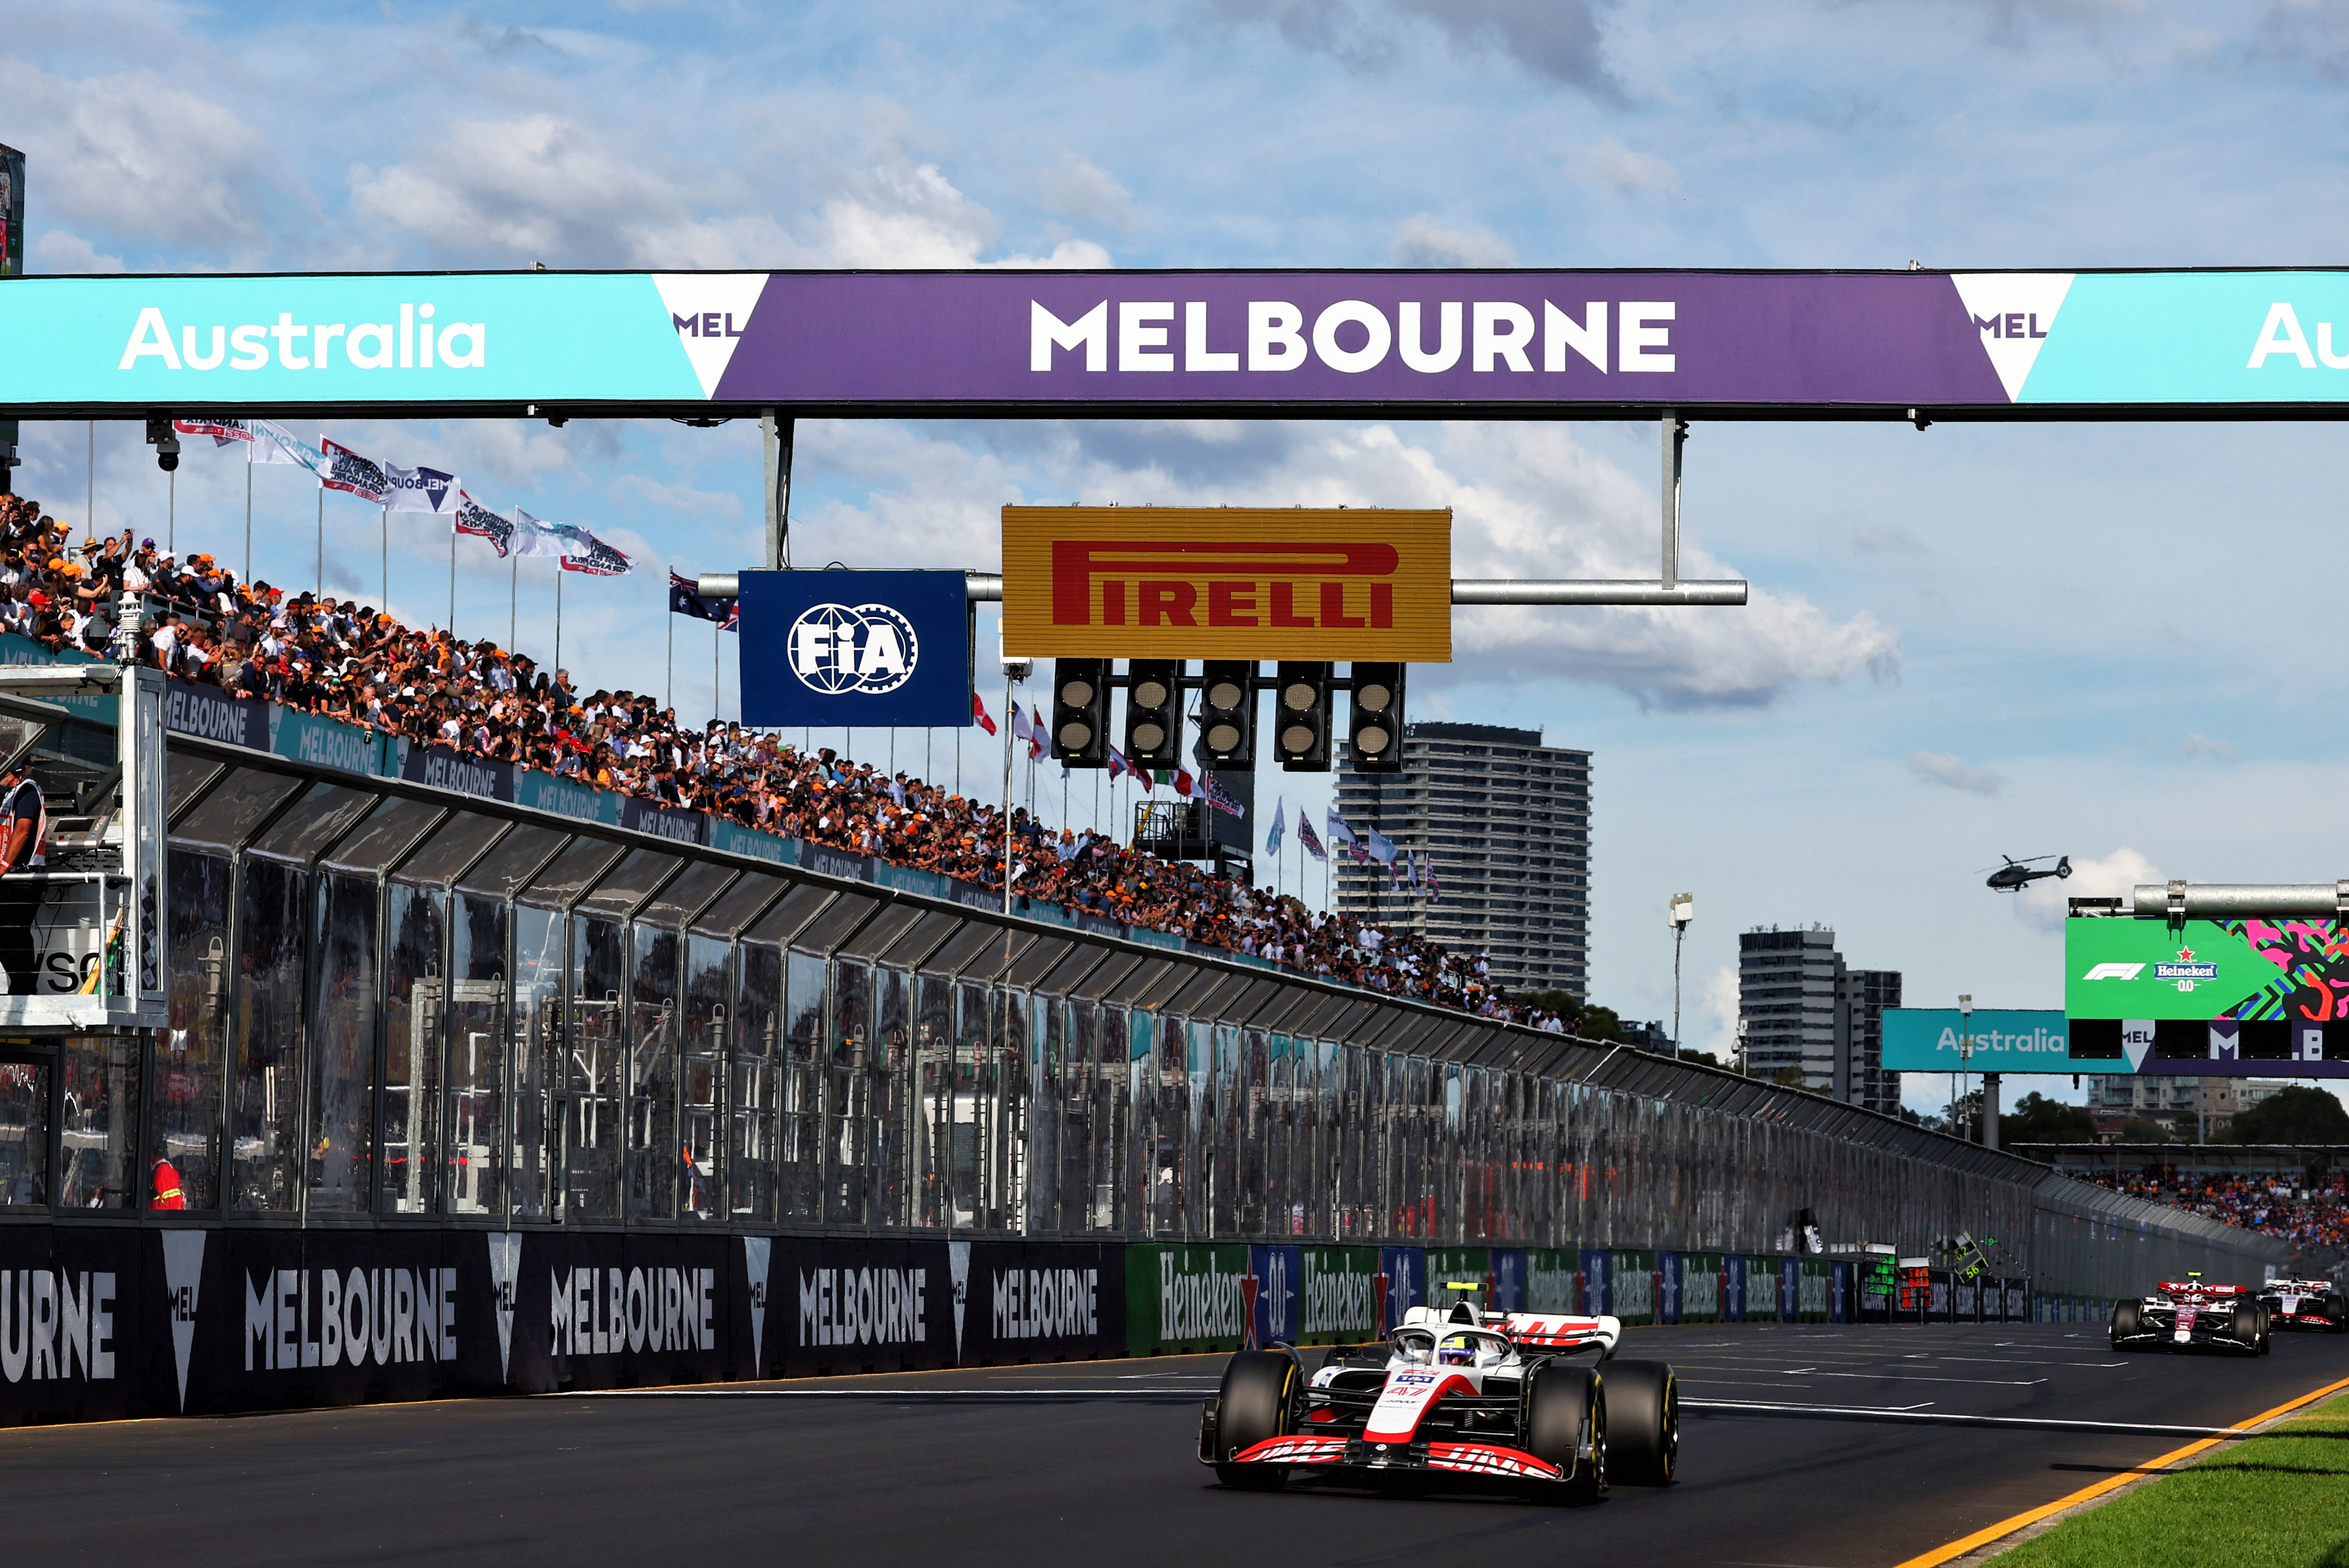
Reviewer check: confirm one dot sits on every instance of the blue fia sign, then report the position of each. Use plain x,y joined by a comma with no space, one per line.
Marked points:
856,648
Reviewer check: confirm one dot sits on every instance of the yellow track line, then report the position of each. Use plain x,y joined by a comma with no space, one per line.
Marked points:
1960,1547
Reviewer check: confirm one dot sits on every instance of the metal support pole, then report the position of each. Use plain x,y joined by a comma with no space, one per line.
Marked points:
1989,1110
776,438
1675,438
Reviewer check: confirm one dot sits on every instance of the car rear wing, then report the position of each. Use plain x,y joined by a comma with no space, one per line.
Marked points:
1560,1332
2197,1288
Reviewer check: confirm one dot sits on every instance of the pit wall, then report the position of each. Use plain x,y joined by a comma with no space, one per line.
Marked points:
109,1321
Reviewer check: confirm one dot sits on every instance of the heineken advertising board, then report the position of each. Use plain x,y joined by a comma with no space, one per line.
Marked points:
2255,997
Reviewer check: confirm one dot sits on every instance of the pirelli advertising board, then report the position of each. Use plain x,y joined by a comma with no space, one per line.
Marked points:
1127,582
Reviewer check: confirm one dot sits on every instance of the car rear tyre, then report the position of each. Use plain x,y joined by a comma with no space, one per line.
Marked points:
1258,1400
1643,1422
2243,1325
2128,1318
1565,1415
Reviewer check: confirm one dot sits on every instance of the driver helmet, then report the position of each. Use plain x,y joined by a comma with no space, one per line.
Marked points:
1457,1350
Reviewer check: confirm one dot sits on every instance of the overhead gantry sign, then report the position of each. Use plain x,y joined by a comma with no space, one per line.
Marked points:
1770,345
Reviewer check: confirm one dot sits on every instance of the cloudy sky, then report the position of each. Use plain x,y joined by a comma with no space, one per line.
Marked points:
2111,641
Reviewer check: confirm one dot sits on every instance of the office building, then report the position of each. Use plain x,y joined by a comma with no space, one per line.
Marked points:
2200,1105
1811,1019
1504,822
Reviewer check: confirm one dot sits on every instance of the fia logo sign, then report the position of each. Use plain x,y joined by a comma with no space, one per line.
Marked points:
853,651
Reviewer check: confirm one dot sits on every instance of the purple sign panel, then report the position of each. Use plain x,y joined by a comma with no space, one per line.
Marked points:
1330,338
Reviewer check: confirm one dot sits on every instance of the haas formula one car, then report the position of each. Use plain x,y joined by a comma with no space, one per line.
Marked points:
1453,1394
2306,1304
2188,1314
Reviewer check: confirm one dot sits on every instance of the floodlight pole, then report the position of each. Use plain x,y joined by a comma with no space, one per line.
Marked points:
1014,671
1965,1054
776,441
1675,438
1683,910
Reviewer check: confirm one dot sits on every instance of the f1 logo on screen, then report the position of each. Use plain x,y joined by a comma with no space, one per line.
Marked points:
1227,583
856,648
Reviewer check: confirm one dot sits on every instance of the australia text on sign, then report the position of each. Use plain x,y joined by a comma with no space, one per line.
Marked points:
1287,582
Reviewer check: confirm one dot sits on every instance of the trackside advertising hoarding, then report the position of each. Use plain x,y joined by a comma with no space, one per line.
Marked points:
1040,342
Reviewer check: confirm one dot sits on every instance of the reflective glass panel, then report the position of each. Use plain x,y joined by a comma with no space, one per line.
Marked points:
266,1120
848,1096
236,806
97,1139
564,877
541,1080
183,1128
803,1087
341,1133
414,999
184,778
751,1150
628,883
23,1133
390,830
708,1005
654,1154
596,1062
312,823
475,1137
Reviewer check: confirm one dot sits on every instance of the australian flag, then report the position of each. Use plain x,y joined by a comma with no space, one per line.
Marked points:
685,598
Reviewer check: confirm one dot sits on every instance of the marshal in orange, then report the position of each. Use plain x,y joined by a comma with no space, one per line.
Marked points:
1123,582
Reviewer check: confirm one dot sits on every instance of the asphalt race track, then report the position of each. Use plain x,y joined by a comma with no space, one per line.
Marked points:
1093,1463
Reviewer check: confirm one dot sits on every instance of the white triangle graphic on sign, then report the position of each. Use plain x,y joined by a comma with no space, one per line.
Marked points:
505,1268
183,1277
709,312
756,1251
2013,313
2136,1039
958,1263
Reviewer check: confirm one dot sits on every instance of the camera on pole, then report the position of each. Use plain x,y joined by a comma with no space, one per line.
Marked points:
1374,721
1153,714
1300,716
1081,711
1227,714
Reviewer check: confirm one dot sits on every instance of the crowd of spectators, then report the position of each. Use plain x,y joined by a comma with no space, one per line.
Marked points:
350,662
2290,1210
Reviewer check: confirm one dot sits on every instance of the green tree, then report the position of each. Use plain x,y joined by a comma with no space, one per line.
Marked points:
1581,1018
2296,1115
2146,1129
2038,1119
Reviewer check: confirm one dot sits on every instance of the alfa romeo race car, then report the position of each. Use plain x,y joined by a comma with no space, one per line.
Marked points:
1453,1394
2188,1314
2306,1304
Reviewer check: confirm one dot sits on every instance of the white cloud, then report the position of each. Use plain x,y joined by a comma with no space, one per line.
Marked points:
1423,242
1940,767
138,157
2044,904
1558,40
1083,193
59,251
1611,164
2199,745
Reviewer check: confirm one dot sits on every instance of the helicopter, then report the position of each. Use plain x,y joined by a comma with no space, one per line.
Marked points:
2017,874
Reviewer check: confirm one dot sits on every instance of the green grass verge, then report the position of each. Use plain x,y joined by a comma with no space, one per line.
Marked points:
2280,1500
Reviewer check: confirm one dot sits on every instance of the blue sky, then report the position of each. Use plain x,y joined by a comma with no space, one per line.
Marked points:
2105,641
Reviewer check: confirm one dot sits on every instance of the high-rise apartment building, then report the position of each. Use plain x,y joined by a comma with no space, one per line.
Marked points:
1803,1012
1504,822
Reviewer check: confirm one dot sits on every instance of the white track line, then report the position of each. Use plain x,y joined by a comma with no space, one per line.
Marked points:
1913,1412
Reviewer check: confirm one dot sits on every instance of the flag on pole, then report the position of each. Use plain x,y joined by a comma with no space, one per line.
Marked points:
1018,721
422,489
1411,868
347,471
1183,783
1274,830
582,552
685,598
1380,847
1434,891
978,715
225,433
530,537
1220,798
1305,837
1118,765
1341,832
273,442
472,517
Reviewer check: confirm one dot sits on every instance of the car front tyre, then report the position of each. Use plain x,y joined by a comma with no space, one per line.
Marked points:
1257,1401
1643,1422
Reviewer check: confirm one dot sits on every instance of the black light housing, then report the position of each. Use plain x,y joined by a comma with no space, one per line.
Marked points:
1081,711
1300,716
1227,714
1374,719
1153,712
